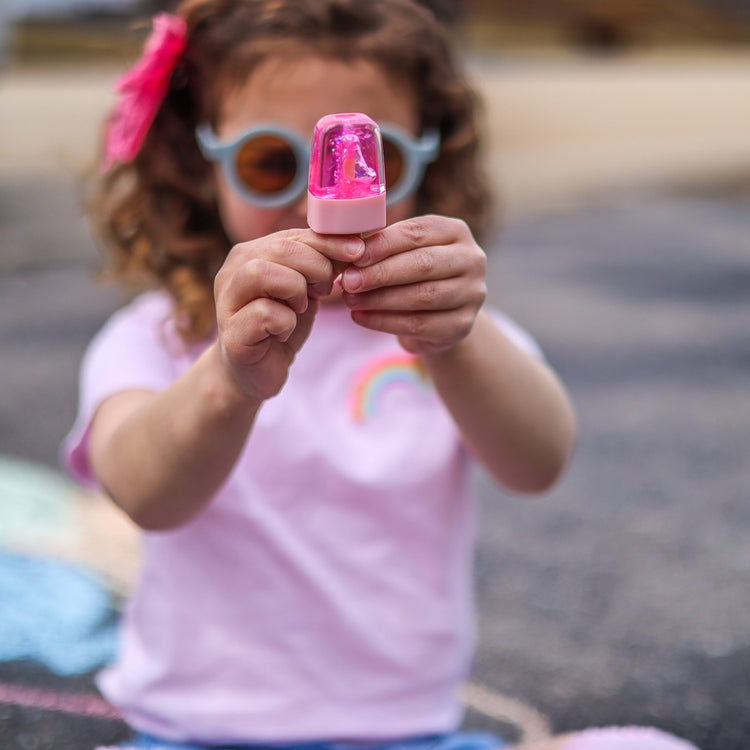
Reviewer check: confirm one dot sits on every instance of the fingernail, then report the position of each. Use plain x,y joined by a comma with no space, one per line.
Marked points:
354,247
352,279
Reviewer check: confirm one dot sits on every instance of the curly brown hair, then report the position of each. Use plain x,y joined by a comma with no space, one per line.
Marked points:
157,217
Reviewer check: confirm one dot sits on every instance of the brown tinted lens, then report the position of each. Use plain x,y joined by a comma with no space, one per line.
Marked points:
266,163
394,162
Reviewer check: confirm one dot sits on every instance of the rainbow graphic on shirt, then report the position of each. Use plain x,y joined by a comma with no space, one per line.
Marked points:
377,378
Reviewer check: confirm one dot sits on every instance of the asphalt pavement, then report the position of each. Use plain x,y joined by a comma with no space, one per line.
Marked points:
623,595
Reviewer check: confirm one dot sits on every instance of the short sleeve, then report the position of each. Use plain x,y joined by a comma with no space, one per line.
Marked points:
134,350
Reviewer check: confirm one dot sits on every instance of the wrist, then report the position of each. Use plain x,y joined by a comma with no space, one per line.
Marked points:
448,355
223,391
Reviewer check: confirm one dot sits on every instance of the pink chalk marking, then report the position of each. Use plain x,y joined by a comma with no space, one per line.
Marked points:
80,704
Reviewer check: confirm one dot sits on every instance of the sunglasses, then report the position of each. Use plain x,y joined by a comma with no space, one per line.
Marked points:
268,164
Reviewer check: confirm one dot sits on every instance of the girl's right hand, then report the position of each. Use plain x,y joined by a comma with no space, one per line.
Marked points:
266,297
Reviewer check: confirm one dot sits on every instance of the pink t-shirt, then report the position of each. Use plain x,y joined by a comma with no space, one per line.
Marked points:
326,591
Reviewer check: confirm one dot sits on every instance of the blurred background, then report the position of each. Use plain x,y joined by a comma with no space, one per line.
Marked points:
618,141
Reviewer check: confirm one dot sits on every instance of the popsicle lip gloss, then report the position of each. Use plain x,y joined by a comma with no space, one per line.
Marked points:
346,184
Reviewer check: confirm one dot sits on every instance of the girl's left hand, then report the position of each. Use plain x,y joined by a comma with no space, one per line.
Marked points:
422,279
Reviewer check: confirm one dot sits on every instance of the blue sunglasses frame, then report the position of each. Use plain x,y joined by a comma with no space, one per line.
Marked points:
416,154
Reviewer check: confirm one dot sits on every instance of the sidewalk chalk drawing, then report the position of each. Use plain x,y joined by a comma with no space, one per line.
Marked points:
55,612
77,704
33,504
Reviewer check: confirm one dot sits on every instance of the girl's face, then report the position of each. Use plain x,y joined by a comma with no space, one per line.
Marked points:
296,93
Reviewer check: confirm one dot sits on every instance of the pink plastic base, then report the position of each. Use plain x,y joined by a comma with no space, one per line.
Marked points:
626,738
345,215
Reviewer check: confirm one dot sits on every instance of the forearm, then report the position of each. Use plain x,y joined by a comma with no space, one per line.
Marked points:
512,410
162,456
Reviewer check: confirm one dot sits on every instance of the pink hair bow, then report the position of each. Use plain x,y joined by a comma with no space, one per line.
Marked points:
142,90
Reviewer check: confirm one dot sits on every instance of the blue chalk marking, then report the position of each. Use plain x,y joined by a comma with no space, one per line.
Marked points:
54,614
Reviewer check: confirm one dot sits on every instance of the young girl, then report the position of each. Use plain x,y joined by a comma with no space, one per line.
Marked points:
289,416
